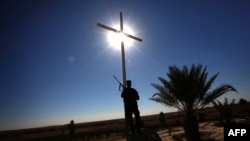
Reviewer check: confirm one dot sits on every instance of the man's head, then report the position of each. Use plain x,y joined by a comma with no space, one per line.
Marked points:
129,83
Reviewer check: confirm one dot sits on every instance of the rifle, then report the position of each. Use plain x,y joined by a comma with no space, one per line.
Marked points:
120,84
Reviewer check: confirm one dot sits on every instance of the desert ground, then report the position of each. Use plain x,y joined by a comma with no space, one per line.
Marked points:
113,130
208,131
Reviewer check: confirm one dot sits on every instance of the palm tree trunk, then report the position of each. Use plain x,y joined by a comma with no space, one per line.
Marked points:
191,127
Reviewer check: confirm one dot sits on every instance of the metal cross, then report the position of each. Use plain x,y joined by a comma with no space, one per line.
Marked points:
122,44
122,52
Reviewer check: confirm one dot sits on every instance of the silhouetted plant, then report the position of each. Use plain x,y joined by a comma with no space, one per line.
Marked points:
188,90
71,128
225,109
162,120
242,101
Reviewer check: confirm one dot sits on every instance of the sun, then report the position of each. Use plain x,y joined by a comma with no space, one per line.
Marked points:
115,39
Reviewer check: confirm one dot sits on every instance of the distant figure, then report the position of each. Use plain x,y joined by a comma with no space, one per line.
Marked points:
130,97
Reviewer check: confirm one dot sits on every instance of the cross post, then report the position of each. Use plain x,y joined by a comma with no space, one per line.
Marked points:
123,58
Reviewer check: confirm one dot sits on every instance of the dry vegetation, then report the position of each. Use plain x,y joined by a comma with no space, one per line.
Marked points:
113,130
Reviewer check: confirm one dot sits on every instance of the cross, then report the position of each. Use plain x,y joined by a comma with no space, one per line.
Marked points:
122,44
122,52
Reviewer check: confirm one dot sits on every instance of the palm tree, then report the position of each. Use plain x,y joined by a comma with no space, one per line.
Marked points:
188,90
225,109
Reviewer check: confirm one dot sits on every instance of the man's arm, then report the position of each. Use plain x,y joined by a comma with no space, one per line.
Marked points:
137,95
123,93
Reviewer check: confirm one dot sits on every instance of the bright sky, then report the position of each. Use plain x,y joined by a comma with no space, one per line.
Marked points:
57,65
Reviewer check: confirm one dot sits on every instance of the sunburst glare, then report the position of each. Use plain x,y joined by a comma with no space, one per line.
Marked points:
115,39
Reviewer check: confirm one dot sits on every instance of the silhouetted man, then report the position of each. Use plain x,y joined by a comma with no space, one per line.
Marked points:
130,97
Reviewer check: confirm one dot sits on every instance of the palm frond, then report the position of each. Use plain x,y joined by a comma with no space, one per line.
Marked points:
217,92
187,88
165,97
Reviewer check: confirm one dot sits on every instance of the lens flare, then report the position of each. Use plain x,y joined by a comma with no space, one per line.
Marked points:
115,39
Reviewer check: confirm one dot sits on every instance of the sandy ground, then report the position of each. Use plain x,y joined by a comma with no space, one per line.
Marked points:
208,131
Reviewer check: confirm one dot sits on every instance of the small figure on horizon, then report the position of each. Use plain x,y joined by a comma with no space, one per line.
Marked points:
130,97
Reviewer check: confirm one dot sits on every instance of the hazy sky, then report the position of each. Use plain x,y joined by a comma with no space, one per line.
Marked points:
57,65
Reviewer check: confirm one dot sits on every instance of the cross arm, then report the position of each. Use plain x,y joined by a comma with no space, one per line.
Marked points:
107,27
133,37
117,31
